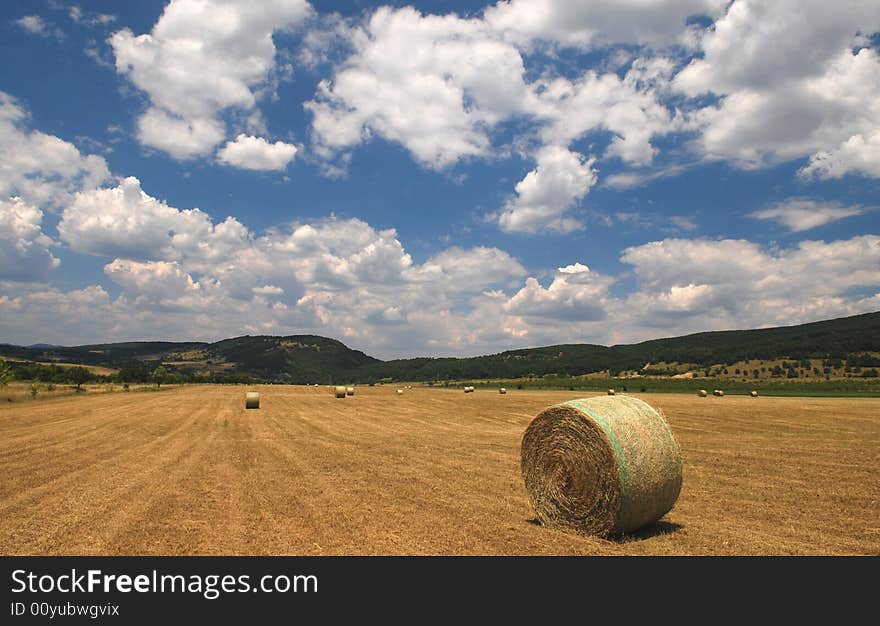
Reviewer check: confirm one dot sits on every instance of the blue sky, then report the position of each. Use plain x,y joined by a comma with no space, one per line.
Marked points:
435,177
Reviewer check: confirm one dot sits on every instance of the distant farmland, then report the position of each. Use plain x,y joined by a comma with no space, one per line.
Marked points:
189,471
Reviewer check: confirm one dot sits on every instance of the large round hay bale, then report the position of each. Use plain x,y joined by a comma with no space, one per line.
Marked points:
703,393
610,392
754,394
502,390
349,391
600,465
718,393
252,400
468,389
339,392
400,392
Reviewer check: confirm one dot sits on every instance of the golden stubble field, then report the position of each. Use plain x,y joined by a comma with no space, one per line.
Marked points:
189,471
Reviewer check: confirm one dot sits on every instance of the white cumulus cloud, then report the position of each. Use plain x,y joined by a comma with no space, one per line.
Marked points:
202,57
255,153
24,248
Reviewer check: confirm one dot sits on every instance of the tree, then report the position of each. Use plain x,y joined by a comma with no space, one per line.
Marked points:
160,375
78,376
5,373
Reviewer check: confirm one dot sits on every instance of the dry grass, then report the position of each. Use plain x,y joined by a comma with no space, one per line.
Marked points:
189,471
20,391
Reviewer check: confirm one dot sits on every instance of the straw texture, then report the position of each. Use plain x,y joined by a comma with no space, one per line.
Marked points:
601,465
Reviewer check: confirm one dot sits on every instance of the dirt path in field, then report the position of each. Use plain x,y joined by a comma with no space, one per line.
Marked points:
189,471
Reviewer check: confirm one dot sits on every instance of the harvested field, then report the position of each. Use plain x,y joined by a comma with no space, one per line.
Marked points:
189,471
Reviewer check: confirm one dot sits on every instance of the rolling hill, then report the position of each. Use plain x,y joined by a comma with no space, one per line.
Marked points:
315,359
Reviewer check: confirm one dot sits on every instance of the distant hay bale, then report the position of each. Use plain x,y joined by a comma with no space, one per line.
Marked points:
703,393
502,390
610,392
718,393
400,392
339,392
349,391
252,400
754,394
600,465
468,389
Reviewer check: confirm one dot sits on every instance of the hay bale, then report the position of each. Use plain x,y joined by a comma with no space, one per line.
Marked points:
610,392
703,393
339,392
252,400
400,392
600,465
754,394
468,389
718,393
349,391
502,391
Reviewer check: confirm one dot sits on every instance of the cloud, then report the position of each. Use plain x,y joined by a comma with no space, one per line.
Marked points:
42,169
597,23
163,280
32,23
687,284
79,16
201,58
860,154
24,248
575,295
800,214
559,181
125,221
793,80
255,153
182,138
421,81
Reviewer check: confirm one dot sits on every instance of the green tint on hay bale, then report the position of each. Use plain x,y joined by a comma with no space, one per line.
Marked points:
600,465
339,392
252,400
703,393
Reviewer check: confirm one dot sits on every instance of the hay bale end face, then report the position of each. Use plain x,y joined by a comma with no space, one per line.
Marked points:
502,390
349,391
702,393
601,465
252,400
339,392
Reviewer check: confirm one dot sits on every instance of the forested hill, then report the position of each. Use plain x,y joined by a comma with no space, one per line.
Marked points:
314,359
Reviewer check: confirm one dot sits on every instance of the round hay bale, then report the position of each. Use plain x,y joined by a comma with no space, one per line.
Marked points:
610,392
502,391
703,393
468,389
349,391
754,394
600,465
252,400
718,393
339,392
400,392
